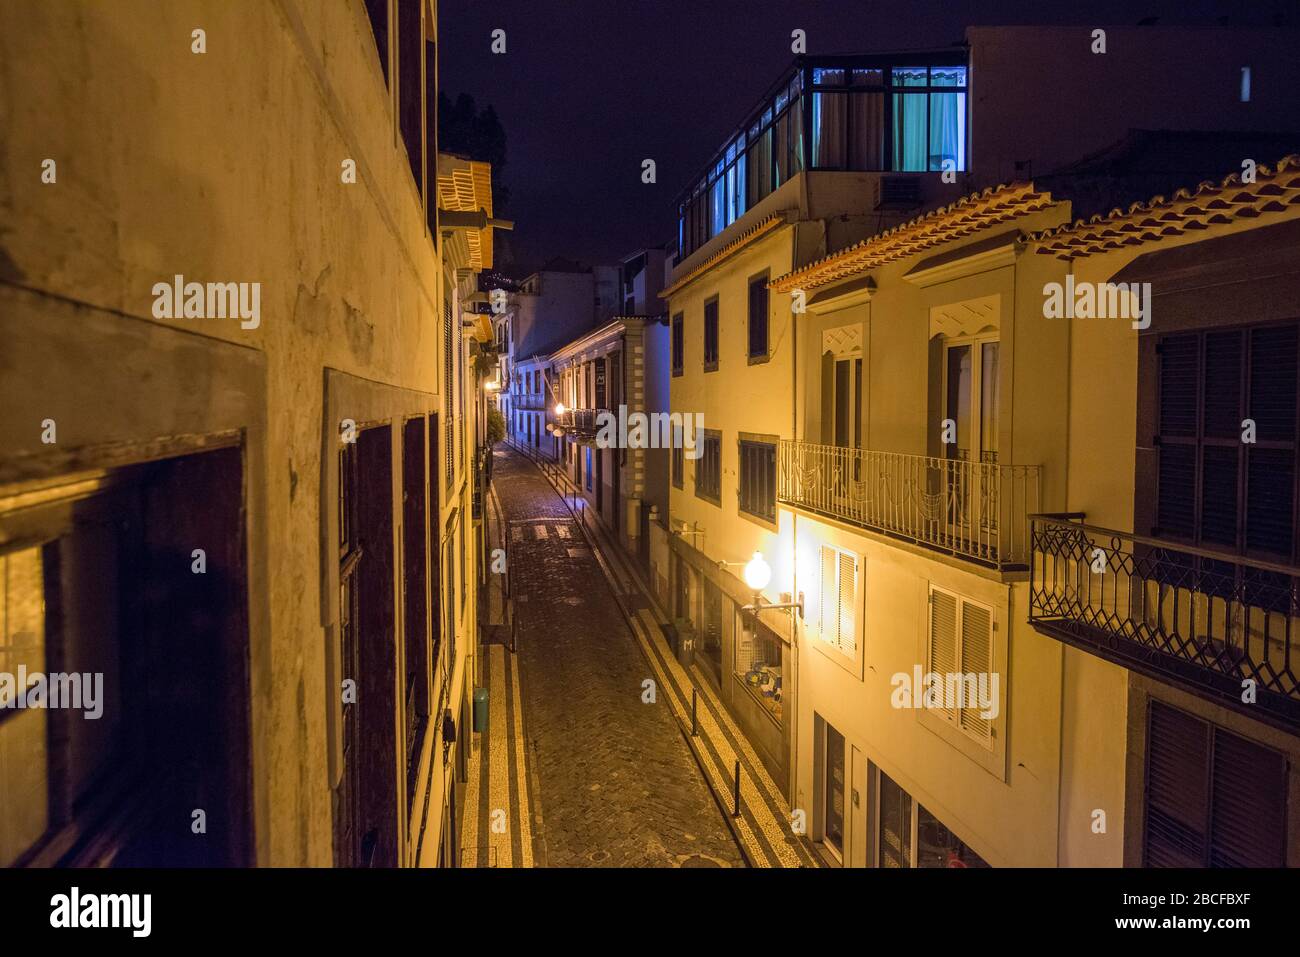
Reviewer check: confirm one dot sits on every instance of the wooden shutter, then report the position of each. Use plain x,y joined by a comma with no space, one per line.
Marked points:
942,652
1177,817
1179,372
828,613
1248,816
848,603
1270,472
976,656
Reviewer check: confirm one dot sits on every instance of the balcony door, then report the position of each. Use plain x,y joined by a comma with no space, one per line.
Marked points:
968,480
842,406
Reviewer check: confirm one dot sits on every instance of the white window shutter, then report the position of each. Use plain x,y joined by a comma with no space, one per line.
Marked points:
848,592
976,659
942,652
828,612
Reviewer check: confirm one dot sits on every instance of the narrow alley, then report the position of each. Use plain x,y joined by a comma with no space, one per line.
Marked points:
613,782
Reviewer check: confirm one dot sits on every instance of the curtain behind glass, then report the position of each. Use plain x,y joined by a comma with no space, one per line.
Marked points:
947,130
910,132
829,112
759,174
867,119
796,135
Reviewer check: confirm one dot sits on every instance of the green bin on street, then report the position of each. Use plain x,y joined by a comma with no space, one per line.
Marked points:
480,709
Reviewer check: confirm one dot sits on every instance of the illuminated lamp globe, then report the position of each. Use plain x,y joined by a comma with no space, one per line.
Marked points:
758,572
559,408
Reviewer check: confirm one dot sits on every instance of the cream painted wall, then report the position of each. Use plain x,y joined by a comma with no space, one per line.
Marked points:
739,397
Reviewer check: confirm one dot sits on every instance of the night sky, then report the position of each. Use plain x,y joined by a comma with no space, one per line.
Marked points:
589,88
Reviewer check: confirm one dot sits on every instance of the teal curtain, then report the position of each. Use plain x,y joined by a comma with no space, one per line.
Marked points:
910,132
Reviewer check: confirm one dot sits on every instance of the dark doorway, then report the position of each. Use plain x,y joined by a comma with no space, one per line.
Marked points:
415,592
366,820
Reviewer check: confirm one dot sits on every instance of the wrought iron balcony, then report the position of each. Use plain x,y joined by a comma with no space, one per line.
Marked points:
581,424
529,401
974,510
1219,625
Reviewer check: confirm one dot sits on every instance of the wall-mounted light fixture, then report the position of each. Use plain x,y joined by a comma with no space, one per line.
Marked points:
758,574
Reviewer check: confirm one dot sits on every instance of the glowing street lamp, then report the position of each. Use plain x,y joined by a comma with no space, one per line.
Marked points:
559,408
758,573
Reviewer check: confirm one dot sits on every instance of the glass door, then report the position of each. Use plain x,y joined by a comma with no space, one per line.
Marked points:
970,438
833,792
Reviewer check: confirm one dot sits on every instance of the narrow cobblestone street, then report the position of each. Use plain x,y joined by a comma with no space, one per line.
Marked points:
615,783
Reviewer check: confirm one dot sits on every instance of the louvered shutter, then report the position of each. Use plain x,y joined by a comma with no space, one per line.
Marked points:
828,602
1219,466
1223,362
1179,359
1177,816
1270,473
1248,817
1179,374
942,655
976,650
848,603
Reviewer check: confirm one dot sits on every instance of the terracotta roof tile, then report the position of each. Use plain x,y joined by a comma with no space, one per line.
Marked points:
961,218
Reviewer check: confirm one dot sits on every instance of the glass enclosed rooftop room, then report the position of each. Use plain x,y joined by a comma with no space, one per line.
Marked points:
875,113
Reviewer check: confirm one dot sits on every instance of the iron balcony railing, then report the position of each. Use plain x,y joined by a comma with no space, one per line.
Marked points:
1218,624
581,421
529,401
976,510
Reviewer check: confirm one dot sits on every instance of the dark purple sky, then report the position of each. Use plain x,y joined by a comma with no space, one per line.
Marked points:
589,88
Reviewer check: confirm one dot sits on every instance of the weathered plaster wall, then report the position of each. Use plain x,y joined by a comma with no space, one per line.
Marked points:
223,166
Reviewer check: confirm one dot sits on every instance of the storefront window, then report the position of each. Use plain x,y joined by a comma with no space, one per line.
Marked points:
936,846
910,836
759,655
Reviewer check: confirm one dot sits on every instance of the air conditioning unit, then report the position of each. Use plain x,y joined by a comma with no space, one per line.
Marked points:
899,192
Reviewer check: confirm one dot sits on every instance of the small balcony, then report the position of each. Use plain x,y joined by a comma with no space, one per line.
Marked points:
529,401
977,511
580,425
1216,624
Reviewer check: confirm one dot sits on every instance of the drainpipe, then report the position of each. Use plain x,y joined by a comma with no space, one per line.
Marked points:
793,783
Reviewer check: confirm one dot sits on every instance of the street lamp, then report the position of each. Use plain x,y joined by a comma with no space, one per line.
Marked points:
559,408
758,573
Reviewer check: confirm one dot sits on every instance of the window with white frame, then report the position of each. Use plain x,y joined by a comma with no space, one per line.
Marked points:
837,609
959,650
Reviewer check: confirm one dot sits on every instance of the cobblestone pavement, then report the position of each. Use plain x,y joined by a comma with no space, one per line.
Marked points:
616,786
